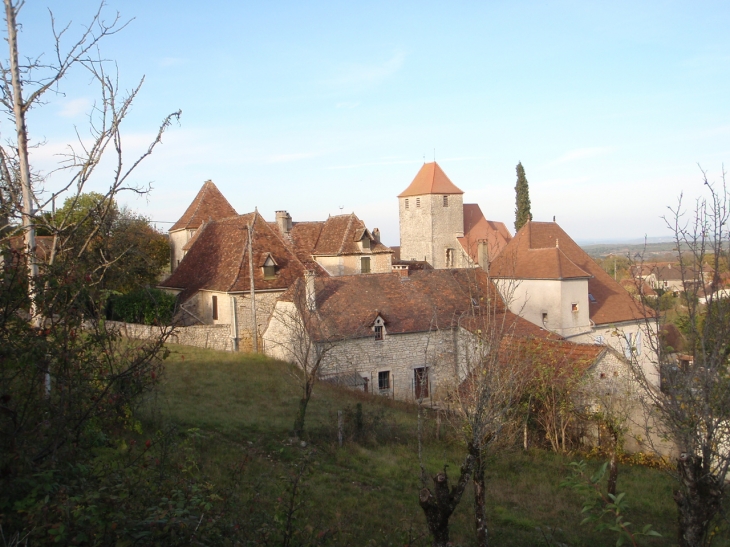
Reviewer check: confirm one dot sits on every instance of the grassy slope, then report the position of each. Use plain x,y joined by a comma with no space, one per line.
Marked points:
245,406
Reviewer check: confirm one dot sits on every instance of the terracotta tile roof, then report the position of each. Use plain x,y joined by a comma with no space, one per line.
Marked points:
340,235
536,241
208,204
563,359
219,260
426,300
430,180
477,228
637,286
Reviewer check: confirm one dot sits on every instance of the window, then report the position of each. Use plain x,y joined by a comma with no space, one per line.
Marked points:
214,304
420,382
365,264
269,267
450,258
544,317
592,298
406,203
446,201
365,242
384,380
418,202
574,307
378,332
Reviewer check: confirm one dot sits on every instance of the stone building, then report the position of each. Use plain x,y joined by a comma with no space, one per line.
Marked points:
406,335
546,278
208,205
437,227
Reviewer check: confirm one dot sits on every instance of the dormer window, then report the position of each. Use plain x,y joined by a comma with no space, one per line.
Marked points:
365,242
270,266
592,298
379,328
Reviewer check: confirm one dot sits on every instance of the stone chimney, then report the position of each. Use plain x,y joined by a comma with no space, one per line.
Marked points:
376,235
400,269
283,220
309,290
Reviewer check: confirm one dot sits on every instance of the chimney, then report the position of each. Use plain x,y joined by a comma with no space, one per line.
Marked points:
483,254
283,220
376,235
309,290
400,269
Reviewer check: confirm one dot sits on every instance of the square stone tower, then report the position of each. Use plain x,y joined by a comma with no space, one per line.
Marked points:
431,213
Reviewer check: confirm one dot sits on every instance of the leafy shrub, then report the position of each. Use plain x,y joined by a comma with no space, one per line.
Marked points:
146,306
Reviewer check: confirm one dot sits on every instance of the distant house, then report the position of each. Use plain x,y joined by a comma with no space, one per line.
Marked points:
437,227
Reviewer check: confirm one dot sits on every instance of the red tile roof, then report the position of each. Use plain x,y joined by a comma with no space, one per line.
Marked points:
219,259
477,228
208,204
532,254
426,300
430,180
339,235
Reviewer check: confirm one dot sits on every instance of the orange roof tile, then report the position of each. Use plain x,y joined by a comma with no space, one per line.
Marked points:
477,229
430,180
208,204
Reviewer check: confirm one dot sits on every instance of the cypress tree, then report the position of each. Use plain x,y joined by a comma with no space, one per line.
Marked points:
522,197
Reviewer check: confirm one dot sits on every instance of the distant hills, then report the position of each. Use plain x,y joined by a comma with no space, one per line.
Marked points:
653,248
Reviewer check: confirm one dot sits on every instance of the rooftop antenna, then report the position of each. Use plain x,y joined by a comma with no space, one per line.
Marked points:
434,155
341,208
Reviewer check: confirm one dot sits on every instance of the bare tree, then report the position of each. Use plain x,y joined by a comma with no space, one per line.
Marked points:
24,86
298,334
486,382
690,401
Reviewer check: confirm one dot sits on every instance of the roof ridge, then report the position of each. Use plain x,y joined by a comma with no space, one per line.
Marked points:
243,258
344,235
200,201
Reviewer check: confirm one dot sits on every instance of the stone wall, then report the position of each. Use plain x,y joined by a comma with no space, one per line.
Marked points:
202,336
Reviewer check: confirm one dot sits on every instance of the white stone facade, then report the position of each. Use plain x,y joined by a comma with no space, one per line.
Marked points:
429,227
352,264
178,239
560,306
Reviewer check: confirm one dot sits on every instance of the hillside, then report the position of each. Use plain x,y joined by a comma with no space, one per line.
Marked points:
365,493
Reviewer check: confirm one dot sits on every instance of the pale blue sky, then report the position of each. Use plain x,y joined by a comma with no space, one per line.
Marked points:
313,106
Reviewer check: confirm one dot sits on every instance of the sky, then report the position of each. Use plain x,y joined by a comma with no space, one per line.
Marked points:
322,108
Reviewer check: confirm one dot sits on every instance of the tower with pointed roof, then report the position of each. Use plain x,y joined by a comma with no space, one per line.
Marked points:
209,204
431,213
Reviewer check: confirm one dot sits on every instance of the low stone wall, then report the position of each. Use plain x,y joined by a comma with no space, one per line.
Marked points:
201,336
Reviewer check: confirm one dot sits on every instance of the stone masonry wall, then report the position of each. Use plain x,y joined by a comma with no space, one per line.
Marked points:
202,336
399,355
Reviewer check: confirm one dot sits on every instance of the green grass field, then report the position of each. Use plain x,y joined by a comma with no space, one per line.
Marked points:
366,493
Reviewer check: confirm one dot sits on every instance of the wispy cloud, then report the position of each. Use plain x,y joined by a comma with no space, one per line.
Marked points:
582,153
74,107
359,74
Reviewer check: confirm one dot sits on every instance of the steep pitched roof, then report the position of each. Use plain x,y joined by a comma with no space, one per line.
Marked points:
218,261
339,236
477,228
208,204
430,180
424,301
532,254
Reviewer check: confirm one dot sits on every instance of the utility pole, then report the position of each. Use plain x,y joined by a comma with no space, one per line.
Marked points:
254,327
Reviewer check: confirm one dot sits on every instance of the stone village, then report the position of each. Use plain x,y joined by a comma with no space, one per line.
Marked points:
396,321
